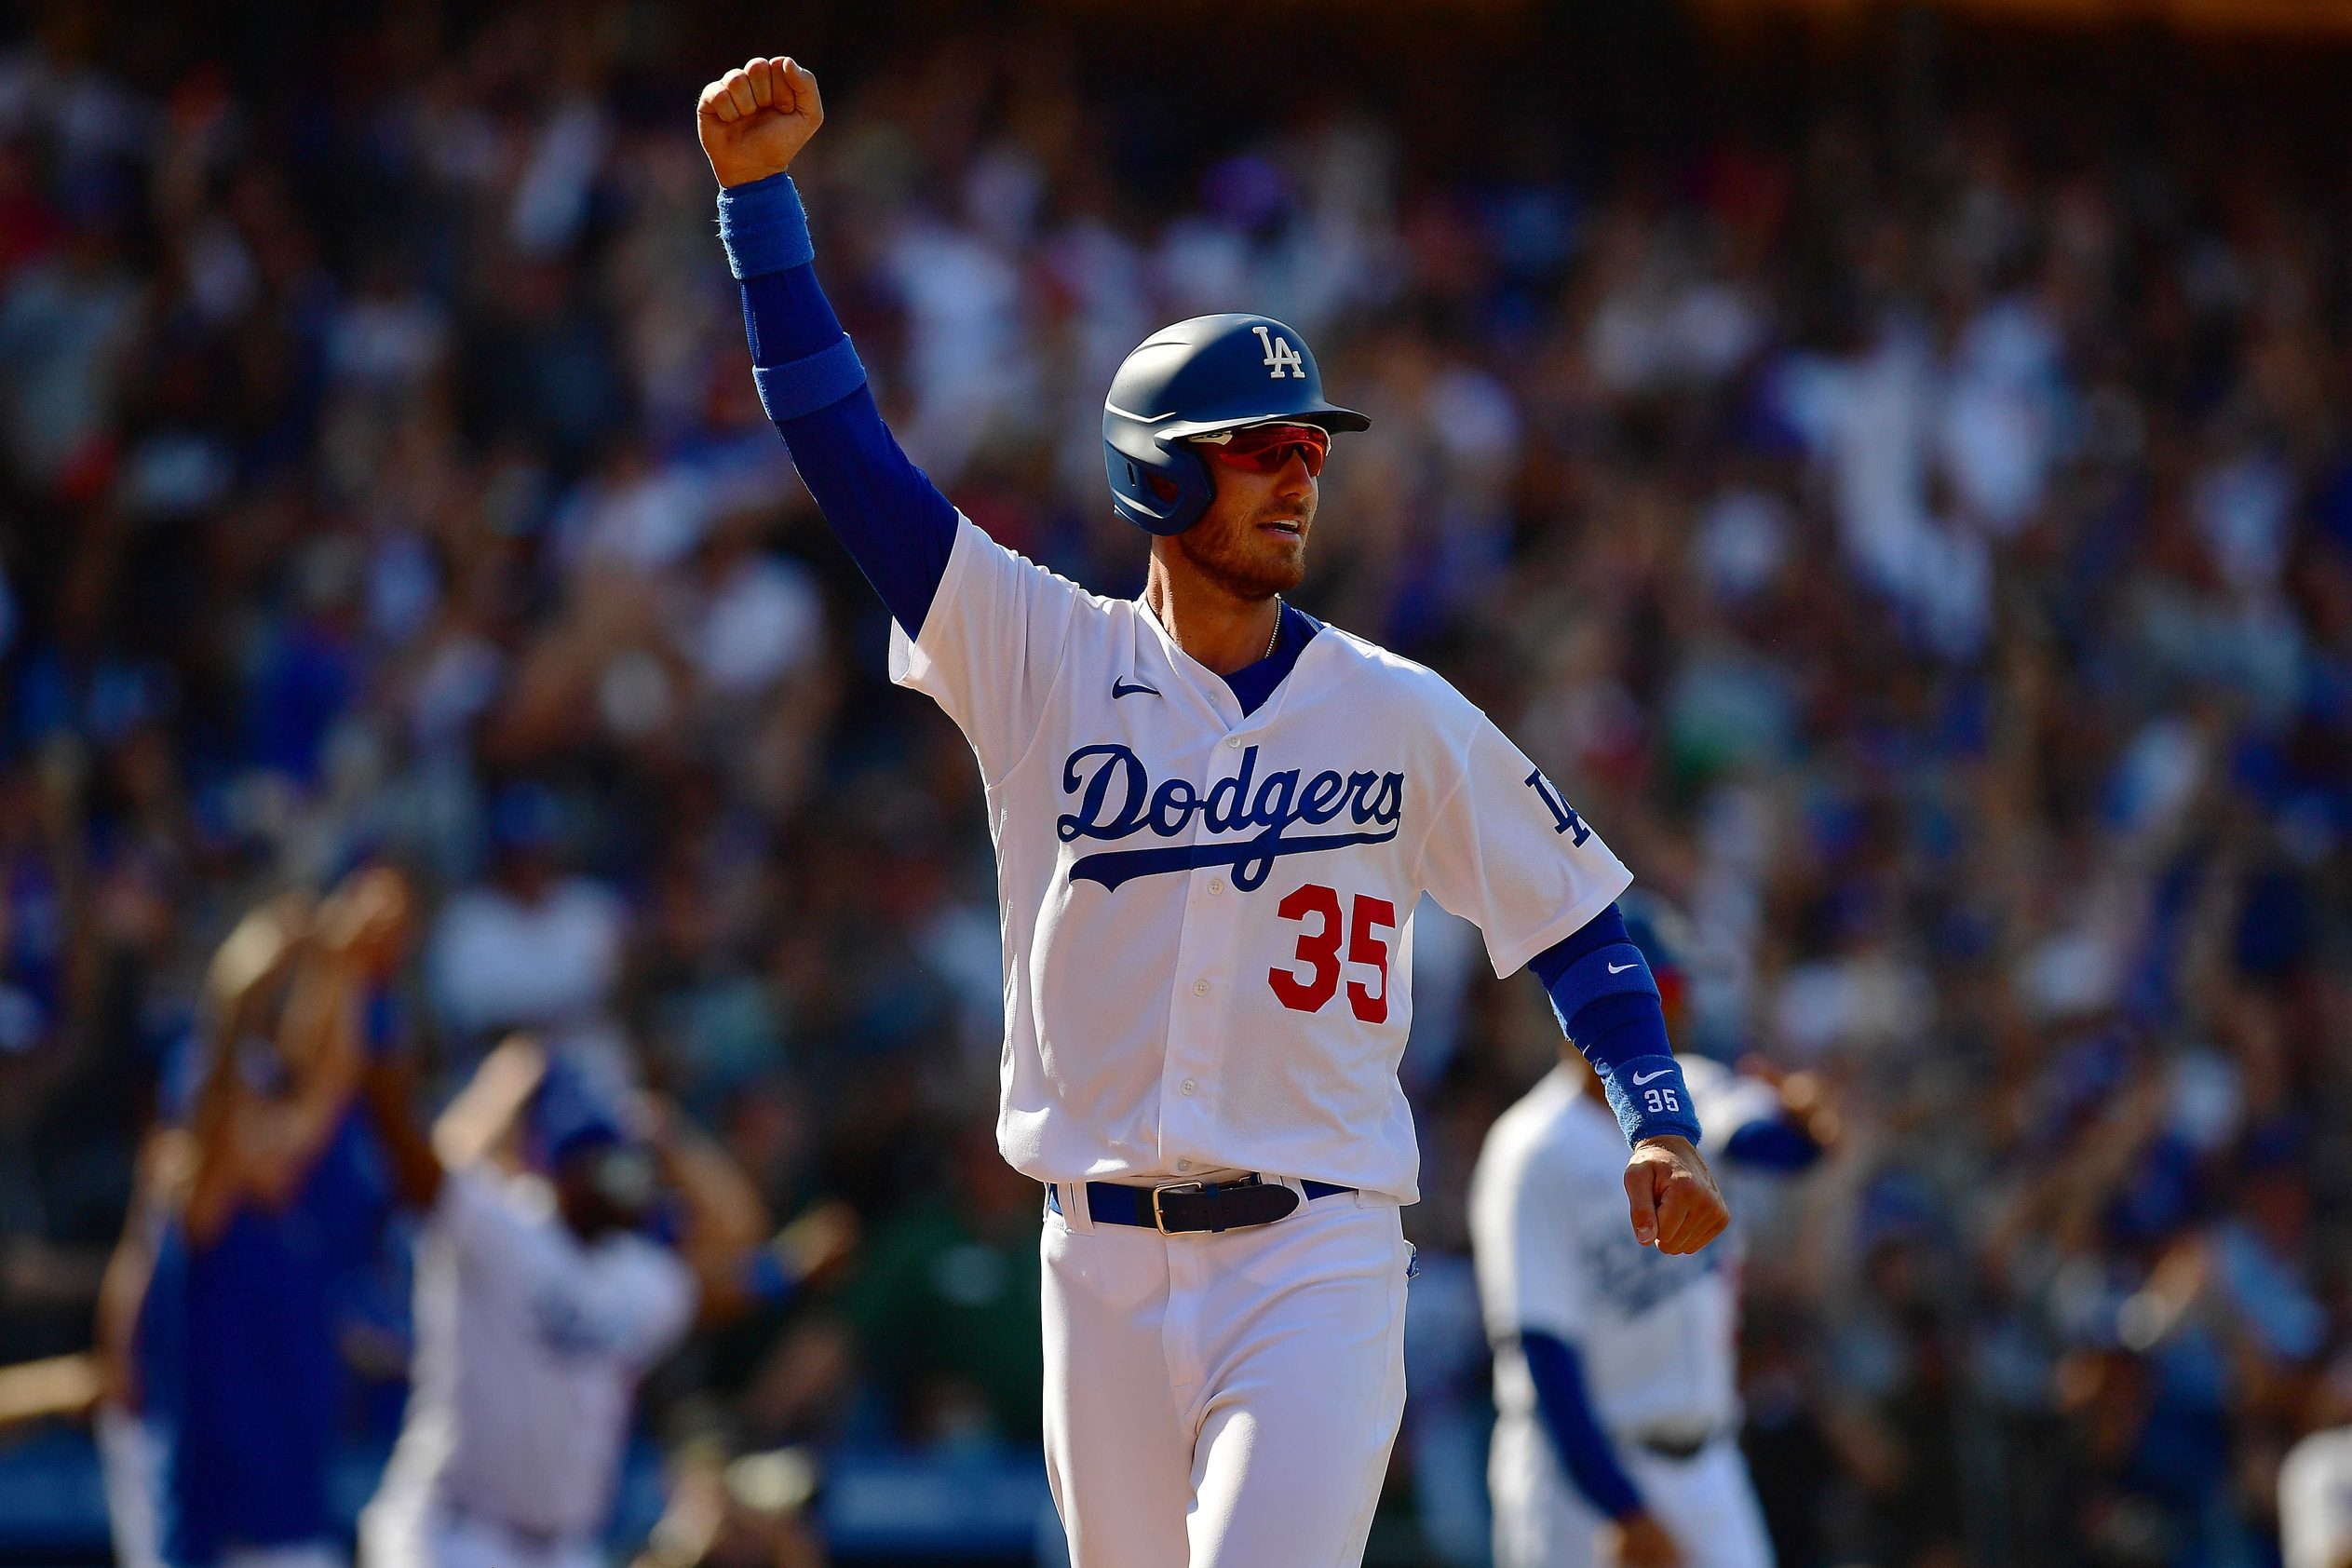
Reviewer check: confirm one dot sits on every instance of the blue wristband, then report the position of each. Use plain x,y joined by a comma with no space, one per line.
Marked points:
765,229
820,381
1651,1100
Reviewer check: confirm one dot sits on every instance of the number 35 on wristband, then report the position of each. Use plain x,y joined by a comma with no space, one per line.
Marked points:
1312,977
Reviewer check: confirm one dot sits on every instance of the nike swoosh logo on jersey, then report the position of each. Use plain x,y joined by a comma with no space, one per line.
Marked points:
1641,1079
1120,688
1616,969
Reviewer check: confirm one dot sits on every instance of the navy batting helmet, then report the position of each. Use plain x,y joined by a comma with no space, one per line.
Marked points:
1195,378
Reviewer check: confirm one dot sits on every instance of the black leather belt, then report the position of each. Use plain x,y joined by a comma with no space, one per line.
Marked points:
1195,1206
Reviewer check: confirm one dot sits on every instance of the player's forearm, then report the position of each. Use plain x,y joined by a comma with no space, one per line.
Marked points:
390,1094
281,1141
320,1036
487,1109
722,1223
1582,1445
1608,1004
123,1291
893,520
725,1218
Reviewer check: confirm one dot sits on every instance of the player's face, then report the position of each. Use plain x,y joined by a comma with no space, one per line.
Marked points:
1251,542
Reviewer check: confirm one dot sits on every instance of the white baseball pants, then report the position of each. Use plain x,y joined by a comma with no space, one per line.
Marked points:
405,1528
1705,1501
1224,1401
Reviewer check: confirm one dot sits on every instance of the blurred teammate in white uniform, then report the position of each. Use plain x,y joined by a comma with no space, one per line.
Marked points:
1616,1437
540,1304
2315,1483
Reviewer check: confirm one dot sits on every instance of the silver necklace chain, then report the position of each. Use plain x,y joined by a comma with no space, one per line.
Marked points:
1272,638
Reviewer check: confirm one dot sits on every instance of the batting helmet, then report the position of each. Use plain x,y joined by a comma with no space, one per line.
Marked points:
1195,378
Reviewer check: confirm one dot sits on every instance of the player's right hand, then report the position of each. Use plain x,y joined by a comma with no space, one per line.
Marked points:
755,119
1639,1541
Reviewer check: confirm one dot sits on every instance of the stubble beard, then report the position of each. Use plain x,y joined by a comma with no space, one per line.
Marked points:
1231,556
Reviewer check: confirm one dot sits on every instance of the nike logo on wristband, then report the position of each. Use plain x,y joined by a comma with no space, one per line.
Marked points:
1616,969
1641,1079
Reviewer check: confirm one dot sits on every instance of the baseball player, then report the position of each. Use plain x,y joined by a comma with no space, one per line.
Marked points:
1212,817
1617,1414
217,1324
541,1302
2315,1494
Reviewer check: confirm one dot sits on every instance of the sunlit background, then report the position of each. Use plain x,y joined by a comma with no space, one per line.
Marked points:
1890,463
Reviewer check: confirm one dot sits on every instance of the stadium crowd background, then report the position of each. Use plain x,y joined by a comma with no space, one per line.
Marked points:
1900,489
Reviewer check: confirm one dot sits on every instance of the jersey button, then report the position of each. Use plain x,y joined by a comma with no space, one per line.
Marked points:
1232,740
1200,988
1183,1166
1216,884
1188,1085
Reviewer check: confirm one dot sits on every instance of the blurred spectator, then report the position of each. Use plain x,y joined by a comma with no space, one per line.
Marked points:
531,948
943,1308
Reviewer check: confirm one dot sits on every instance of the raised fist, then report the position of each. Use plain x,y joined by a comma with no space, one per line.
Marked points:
754,120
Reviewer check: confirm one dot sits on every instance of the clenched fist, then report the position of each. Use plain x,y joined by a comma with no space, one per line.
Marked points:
754,120
1674,1202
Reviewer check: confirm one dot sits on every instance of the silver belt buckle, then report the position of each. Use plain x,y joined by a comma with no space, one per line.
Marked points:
1159,1220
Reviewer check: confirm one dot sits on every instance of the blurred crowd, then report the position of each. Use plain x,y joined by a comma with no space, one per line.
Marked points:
1914,526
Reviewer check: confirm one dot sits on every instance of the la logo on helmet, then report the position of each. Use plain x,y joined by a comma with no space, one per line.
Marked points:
1280,355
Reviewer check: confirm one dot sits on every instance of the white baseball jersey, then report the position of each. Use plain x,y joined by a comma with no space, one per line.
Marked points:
2315,1501
1207,914
1555,1254
529,1346
1656,1335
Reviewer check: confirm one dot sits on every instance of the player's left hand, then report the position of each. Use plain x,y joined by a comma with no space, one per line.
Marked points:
1675,1204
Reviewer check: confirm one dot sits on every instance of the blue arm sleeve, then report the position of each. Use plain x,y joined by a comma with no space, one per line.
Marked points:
891,517
1583,1449
1608,1004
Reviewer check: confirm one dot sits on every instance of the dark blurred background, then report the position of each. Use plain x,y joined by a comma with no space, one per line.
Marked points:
1893,465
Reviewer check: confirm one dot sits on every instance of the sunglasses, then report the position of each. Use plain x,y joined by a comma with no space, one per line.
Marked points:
1267,449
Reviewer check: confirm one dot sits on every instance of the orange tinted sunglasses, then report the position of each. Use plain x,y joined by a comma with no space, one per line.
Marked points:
1264,448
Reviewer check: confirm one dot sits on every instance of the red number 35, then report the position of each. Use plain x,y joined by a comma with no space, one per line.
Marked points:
1317,907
